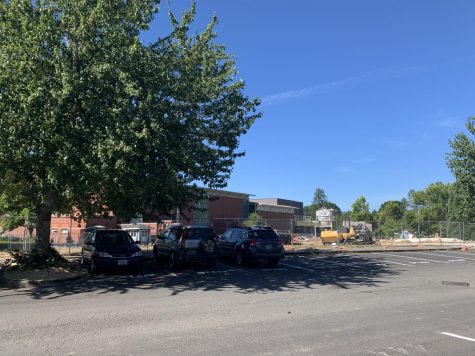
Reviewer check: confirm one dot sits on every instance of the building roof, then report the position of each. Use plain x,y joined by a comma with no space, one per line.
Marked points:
275,208
227,194
134,226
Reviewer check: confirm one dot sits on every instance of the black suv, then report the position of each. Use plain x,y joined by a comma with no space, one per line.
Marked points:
192,243
248,244
110,249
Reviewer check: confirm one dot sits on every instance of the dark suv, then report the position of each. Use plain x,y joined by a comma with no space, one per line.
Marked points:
192,243
248,244
110,249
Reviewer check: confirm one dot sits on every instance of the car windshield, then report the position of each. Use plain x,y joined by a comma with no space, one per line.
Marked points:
198,234
262,234
113,238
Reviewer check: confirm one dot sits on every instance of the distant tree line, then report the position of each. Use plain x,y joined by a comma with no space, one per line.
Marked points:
437,202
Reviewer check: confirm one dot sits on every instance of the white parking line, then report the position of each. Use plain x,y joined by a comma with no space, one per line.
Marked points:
306,269
451,255
398,263
383,262
458,336
440,255
415,258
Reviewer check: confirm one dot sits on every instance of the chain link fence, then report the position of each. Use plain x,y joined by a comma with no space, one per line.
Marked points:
68,234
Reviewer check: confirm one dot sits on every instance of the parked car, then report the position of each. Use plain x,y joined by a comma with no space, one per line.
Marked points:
250,244
192,243
112,250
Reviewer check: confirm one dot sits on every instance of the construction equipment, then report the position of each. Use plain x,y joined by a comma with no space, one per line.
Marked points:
334,236
353,233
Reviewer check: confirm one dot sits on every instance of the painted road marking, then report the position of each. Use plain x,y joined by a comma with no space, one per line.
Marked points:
440,255
306,269
458,336
422,262
398,263
465,258
415,258
355,265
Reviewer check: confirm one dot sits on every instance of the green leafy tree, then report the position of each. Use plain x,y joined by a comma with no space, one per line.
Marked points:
461,162
390,216
391,210
319,197
91,118
253,219
360,210
432,203
320,201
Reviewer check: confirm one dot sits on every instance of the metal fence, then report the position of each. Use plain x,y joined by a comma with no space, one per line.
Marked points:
391,231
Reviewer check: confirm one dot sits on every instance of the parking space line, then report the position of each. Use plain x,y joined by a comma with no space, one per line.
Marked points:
298,267
451,255
458,336
398,263
440,255
382,262
415,258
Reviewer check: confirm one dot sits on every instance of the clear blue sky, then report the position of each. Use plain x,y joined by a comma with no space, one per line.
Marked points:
358,97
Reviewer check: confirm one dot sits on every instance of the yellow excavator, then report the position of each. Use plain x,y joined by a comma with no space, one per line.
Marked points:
333,236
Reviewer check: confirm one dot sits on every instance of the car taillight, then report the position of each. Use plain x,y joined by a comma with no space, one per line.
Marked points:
253,242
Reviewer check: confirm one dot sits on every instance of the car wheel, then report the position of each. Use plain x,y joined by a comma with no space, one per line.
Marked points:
208,246
172,261
239,259
274,262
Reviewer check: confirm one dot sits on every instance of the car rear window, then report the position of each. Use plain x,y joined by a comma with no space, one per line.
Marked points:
263,234
113,238
198,234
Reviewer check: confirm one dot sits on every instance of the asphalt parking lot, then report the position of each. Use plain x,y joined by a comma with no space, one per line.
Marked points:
389,303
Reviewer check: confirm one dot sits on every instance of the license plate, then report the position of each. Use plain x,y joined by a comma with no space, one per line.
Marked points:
269,247
122,262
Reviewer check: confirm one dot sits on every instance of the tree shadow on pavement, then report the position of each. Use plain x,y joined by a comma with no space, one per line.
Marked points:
292,274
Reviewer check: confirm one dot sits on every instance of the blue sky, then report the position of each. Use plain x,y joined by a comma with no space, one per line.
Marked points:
359,98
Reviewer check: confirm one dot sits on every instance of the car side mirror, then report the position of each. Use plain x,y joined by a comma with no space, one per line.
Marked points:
137,242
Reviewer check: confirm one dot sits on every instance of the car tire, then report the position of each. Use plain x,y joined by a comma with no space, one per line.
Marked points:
208,246
273,262
239,259
172,261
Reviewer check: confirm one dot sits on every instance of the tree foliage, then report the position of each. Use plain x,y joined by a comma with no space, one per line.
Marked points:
360,210
461,162
319,197
432,203
92,118
253,219
320,201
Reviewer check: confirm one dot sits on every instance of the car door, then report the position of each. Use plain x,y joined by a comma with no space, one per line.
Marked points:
235,240
171,241
225,243
88,247
160,243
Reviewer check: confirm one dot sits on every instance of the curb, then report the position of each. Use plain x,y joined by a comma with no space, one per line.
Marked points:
25,283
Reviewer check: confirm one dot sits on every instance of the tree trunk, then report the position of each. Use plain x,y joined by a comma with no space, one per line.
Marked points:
43,226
